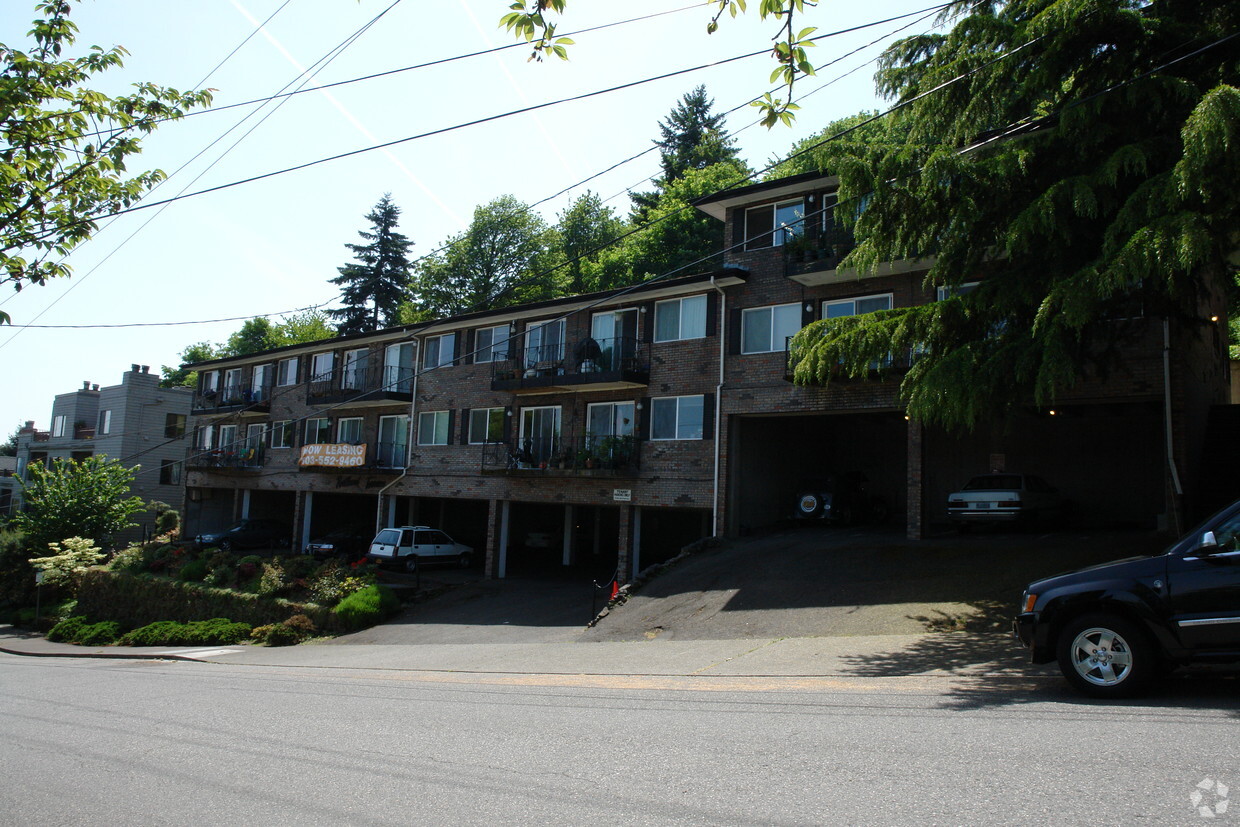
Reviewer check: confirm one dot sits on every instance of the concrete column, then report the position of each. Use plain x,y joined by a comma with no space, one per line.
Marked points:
492,549
306,514
390,520
245,503
624,543
501,568
637,539
568,536
915,522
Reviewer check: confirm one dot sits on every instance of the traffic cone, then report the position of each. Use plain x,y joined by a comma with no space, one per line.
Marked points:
615,589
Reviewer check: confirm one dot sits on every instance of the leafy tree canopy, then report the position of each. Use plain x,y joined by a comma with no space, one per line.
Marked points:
375,285
65,148
585,230
1083,169
8,448
88,498
255,336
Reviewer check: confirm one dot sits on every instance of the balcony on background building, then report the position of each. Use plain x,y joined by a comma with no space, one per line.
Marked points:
589,364
252,400
601,456
362,385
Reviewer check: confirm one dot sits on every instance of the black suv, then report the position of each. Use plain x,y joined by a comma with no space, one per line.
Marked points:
1114,627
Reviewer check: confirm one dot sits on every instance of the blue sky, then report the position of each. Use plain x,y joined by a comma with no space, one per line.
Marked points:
270,246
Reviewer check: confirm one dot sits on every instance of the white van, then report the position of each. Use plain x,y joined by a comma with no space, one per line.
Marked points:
408,546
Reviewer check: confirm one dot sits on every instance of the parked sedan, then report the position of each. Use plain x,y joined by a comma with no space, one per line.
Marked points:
1004,498
246,534
350,541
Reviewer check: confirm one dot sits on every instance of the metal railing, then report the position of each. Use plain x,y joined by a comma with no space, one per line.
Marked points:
233,396
588,453
353,381
587,357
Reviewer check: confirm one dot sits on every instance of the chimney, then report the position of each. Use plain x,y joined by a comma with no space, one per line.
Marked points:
146,368
134,367
85,385
94,387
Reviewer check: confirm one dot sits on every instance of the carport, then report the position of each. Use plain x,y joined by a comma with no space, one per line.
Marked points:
772,456
551,540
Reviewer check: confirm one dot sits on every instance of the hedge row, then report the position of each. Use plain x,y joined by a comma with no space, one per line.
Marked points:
135,601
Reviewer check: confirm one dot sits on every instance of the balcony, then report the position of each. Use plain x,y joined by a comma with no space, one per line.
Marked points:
253,400
590,456
592,365
362,386
804,255
370,457
241,460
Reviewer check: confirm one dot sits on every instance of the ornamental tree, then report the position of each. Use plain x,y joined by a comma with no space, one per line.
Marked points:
71,498
65,148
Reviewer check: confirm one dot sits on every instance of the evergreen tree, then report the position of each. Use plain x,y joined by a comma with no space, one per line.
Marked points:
691,137
375,284
1083,175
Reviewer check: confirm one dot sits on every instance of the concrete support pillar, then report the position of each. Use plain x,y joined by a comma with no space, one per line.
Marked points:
501,566
637,539
567,550
624,545
491,560
915,522
307,513
245,503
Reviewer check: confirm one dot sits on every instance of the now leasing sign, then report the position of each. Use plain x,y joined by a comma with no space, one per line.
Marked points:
332,455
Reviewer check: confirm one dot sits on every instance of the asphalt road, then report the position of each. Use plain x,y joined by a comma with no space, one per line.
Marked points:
138,743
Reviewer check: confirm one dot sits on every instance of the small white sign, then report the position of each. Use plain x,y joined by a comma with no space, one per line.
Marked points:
38,577
622,495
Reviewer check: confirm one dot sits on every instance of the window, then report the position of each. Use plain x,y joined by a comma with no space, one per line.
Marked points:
544,342
944,292
232,383
260,390
680,319
616,334
206,437
322,366
254,443
282,434
228,438
486,425
349,430
169,472
354,374
398,368
540,434
210,382
439,351
286,372
174,426
676,417
773,224
491,344
105,423
609,419
433,428
58,425
393,444
318,430
855,307
767,329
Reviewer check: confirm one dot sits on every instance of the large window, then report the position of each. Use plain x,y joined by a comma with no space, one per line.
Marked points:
855,307
544,342
318,431
174,426
210,381
680,319
943,292
486,425
322,366
232,384
260,392
393,444
354,374
286,372
349,430
206,437
767,329
676,417
540,434
398,368
439,350
58,425
169,472
105,423
773,224
228,439
433,428
282,433
491,344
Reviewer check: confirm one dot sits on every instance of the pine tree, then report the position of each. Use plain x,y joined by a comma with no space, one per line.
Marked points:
378,281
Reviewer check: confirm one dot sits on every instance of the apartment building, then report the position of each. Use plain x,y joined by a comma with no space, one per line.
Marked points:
136,422
603,432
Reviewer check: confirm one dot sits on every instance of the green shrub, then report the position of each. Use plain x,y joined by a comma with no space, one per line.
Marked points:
217,631
98,634
221,576
67,630
129,559
194,571
275,634
301,624
366,607
334,582
272,581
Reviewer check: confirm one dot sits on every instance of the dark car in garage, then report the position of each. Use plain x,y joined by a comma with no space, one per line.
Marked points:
247,533
347,541
843,499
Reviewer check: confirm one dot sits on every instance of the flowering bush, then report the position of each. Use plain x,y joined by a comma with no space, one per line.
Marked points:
74,555
333,583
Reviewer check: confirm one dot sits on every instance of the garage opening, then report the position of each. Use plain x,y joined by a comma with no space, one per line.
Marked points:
666,531
774,457
537,547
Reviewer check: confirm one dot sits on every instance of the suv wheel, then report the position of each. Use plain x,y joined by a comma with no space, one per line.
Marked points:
411,563
1105,656
809,504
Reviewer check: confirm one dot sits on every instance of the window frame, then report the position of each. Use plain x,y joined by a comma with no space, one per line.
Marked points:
439,417
170,472
282,373
59,423
440,361
541,349
282,433
776,343
320,430
353,368
701,425
175,425
340,428
778,233
488,352
315,375
490,413
854,299
680,318
104,425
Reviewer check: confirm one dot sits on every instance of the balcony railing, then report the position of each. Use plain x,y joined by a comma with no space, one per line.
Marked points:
362,384
564,456
220,458
599,364
232,398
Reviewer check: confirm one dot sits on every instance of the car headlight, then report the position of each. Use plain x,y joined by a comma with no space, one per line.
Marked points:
1027,602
